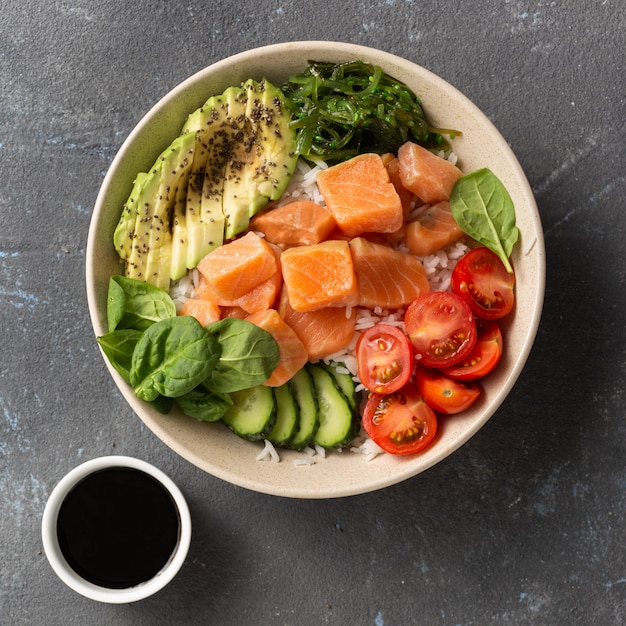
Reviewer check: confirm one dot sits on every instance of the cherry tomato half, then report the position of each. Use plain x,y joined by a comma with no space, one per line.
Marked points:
443,394
483,358
441,328
384,358
481,279
400,422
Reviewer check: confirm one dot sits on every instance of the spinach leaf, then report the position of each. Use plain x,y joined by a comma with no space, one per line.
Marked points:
118,347
204,404
162,404
248,355
172,357
136,304
483,209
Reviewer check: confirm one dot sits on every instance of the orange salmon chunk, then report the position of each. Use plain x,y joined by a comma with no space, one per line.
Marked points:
425,174
298,223
322,332
386,277
361,196
292,353
319,276
237,267
204,311
432,230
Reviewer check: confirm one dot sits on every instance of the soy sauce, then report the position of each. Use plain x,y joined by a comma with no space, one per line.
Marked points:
118,527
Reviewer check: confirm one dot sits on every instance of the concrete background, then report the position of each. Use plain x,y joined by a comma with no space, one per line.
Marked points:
523,525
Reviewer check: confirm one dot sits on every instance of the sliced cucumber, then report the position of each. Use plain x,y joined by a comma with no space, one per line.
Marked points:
253,413
337,424
344,381
287,418
303,391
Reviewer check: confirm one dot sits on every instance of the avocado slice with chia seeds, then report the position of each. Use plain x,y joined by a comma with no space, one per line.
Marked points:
143,236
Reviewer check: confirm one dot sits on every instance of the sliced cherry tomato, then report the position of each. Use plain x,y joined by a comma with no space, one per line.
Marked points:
481,279
443,394
384,358
441,328
400,422
483,358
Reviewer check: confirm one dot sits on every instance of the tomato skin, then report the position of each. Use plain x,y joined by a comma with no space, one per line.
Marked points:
441,328
481,279
385,358
401,422
483,358
443,394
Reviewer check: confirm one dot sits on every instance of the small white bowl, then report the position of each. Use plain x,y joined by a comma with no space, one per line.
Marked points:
211,446
73,580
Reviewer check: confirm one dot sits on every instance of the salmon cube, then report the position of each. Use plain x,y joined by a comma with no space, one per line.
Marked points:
237,267
361,197
319,276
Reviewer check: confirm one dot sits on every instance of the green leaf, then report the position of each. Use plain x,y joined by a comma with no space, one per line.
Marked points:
172,357
204,404
483,209
248,355
136,304
118,346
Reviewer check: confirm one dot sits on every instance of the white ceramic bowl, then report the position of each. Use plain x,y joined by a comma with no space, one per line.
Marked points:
211,446
76,582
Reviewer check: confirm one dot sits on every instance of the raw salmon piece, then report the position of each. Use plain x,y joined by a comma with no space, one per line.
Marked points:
322,332
425,174
233,311
261,297
319,276
387,278
406,197
360,196
203,310
298,223
236,267
433,229
293,354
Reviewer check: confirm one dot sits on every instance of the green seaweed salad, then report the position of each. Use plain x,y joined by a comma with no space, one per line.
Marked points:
344,109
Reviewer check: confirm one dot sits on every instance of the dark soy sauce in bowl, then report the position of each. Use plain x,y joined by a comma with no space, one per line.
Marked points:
118,527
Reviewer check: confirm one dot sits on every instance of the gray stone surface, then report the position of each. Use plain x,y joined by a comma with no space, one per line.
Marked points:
524,525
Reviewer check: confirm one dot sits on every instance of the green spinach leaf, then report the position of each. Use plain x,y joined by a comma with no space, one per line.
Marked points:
248,355
136,304
162,404
118,346
204,404
483,209
172,357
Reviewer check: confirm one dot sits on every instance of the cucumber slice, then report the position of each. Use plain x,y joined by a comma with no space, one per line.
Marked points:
287,419
253,413
303,391
337,426
344,382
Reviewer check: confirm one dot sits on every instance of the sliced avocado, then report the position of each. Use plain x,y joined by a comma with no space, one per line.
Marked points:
180,235
147,252
263,156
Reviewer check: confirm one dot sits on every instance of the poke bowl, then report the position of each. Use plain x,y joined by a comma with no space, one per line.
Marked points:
319,472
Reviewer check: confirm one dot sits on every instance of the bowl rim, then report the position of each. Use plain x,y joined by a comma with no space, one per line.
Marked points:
343,50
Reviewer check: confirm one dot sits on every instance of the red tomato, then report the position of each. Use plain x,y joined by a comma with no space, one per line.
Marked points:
385,358
483,358
443,394
400,422
481,279
441,328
